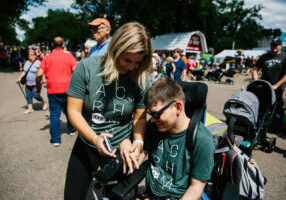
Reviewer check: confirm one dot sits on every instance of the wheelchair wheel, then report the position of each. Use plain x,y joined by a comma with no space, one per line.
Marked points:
95,191
271,145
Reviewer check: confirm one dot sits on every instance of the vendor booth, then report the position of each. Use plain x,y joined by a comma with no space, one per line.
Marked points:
190,42
219,58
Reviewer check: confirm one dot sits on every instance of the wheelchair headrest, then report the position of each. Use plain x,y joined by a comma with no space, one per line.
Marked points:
196,95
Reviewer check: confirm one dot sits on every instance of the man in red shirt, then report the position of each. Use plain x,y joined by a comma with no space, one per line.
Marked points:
57,67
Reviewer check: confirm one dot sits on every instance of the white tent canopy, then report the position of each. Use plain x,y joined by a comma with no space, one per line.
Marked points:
219,58
178,40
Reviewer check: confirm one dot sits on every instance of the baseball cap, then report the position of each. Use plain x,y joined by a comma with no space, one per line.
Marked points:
276,42
98,21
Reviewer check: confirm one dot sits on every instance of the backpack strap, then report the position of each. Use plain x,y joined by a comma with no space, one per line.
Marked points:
192,129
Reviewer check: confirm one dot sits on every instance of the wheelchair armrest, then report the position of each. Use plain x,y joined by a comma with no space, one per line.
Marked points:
121,189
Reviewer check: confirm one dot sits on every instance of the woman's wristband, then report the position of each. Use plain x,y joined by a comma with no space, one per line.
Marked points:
139,141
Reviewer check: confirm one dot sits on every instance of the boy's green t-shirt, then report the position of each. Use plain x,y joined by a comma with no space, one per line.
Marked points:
106,108
171,171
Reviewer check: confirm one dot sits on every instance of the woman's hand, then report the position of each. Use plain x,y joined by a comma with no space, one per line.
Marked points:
99,143
20,77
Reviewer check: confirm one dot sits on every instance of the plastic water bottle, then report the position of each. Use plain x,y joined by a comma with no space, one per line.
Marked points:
245,144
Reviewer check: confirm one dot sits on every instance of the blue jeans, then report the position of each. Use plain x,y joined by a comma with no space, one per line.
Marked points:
57,102
30,93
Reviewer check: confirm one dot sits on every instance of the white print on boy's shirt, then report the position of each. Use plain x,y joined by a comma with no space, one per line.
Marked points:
169,166
167,184
155,172
175,153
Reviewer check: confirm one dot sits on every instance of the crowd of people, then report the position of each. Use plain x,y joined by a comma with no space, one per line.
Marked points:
106,91
165,63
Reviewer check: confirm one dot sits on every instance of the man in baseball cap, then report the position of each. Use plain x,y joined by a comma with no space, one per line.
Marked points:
100,29
273,66
276,42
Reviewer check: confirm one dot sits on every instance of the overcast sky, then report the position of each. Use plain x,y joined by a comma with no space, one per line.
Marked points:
273,13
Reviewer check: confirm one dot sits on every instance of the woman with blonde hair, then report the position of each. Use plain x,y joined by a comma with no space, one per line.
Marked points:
31,67
106,98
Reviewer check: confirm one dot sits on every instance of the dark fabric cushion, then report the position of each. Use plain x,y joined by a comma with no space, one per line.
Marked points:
196,95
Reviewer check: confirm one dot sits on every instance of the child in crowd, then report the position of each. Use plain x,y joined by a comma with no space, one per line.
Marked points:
170,67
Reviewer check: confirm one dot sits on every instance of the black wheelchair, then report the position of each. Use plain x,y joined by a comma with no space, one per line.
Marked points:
109,183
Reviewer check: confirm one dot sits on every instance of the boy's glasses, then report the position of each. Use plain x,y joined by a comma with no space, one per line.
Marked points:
157,115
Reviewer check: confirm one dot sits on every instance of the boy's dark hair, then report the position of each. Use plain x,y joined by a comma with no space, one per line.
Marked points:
164,90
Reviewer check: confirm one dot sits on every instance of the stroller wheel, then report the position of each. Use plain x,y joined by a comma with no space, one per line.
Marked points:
271,144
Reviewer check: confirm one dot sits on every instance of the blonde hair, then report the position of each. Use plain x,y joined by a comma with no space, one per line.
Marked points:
32,51
170,59
129,38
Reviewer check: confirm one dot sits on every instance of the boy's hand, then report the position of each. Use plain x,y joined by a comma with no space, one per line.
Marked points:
130,155
135,151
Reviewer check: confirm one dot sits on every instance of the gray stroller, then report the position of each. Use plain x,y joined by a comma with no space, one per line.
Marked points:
249,114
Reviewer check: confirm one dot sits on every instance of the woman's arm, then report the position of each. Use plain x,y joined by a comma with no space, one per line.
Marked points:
131,153
75,116
44,81
21,76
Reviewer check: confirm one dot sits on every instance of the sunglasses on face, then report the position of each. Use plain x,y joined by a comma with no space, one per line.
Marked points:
157,115
96,28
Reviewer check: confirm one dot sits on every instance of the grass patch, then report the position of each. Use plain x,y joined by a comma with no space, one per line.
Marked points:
248,79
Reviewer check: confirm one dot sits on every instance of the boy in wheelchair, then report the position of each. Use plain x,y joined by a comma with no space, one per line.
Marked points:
173,173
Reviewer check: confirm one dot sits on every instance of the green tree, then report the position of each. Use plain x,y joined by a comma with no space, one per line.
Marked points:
226,23
234,16
159,16
10,12
57,23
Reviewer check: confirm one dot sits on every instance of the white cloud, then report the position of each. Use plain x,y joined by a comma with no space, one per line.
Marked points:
273,13
41,11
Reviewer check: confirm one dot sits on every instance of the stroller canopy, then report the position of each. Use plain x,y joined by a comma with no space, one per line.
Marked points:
243,105
264,92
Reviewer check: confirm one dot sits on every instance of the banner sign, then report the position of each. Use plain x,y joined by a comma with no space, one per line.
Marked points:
194,44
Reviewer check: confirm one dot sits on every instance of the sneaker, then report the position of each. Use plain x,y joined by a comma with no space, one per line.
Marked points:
56,144
73,133
45,106
28,111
